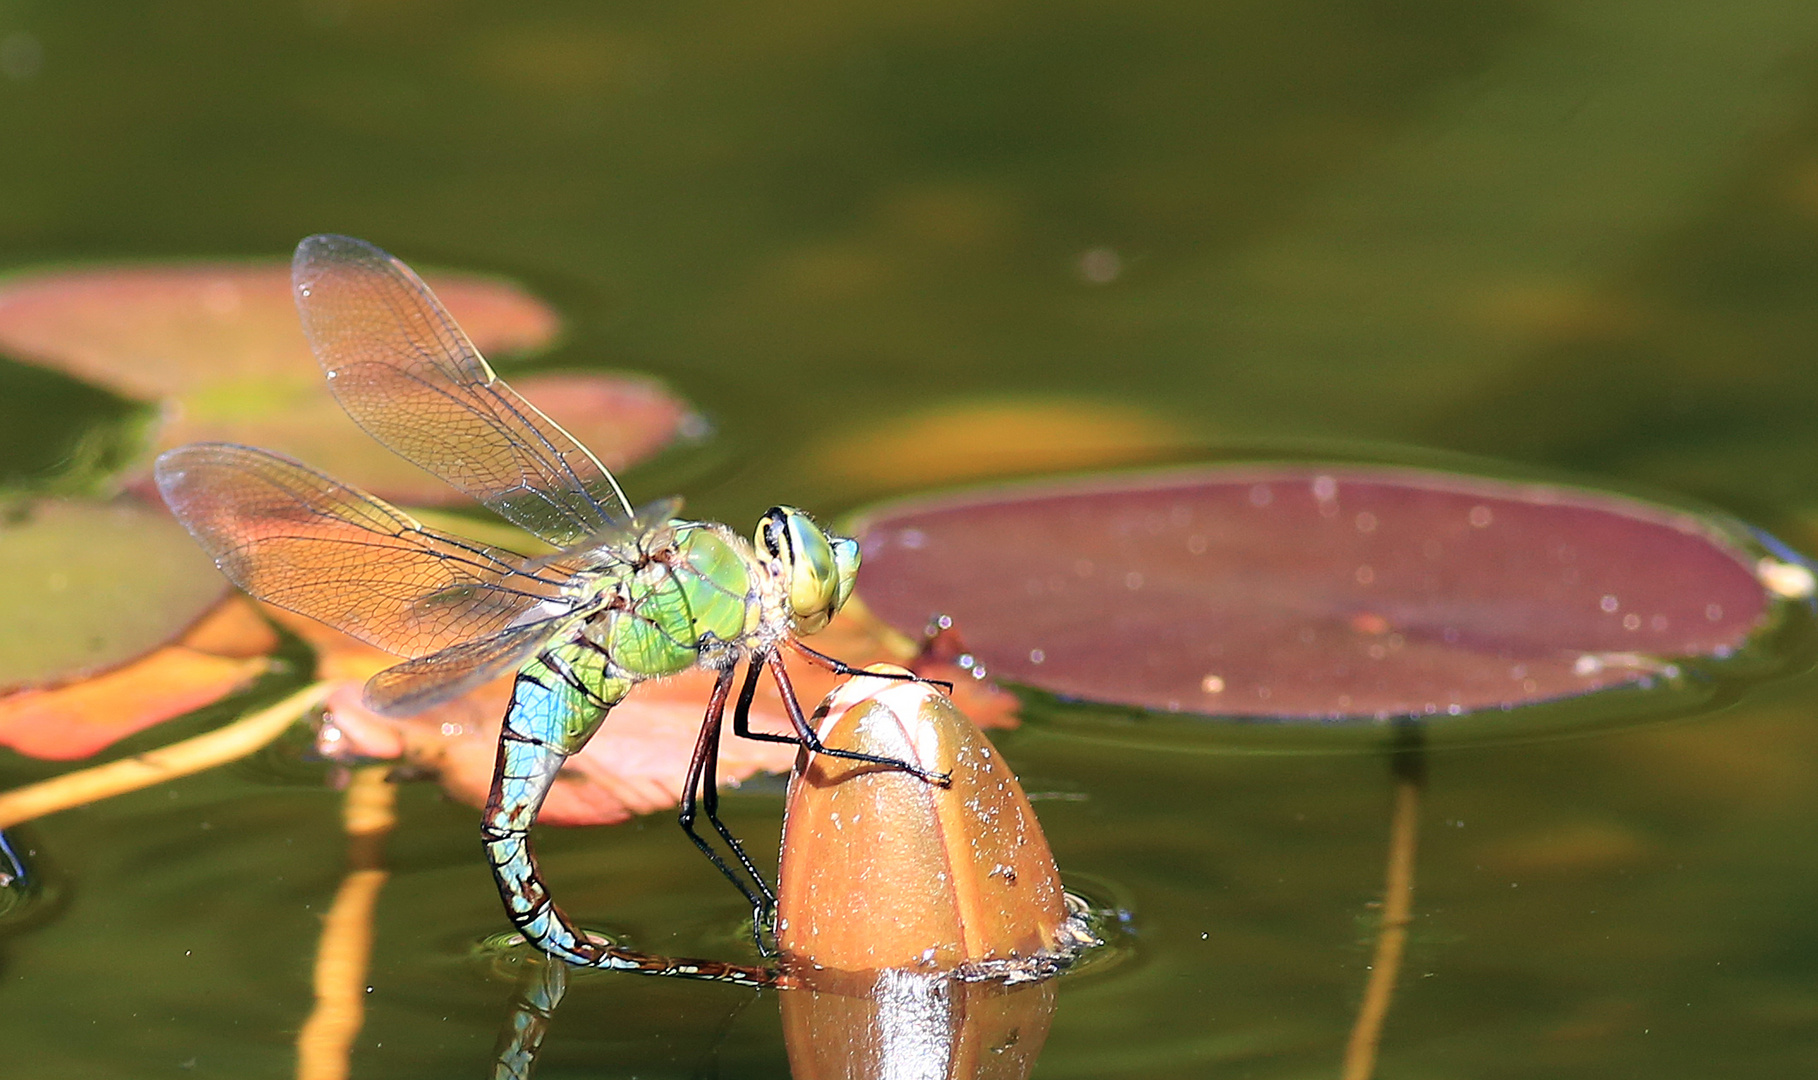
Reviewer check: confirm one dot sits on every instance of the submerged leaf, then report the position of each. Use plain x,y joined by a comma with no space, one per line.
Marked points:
221,346
969,441
1319,592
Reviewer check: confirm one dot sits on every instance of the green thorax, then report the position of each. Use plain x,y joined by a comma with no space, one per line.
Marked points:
698,595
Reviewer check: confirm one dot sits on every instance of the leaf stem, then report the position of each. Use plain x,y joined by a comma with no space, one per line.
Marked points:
225,744
1408,768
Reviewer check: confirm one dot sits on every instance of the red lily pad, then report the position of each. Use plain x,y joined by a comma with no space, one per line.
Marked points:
1319,592
220,346
92,585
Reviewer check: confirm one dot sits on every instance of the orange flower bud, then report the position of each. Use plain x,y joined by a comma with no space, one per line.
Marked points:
883,869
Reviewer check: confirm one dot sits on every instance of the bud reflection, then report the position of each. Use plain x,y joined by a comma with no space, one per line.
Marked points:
911,1026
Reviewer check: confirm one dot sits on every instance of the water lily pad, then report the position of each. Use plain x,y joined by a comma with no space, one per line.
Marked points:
217,657
221,347
1305,592
209,331
92,585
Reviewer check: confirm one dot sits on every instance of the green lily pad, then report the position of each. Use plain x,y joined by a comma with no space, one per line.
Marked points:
91,585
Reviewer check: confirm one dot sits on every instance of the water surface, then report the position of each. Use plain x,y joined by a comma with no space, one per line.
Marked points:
1575,237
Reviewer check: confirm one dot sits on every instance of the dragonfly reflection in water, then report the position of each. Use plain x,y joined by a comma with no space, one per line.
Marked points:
627,596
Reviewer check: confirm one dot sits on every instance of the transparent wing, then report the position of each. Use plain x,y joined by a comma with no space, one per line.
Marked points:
416,685
298,539
614,541
407,374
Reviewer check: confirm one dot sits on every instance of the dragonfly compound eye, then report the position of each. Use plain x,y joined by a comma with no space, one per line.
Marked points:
804,559
846,563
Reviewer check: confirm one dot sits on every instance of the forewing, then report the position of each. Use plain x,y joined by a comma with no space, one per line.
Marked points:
407,374
416,685
298,539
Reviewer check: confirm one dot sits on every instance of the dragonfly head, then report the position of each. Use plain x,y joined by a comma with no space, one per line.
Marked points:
817,570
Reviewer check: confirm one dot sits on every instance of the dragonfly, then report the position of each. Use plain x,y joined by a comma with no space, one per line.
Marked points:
628,595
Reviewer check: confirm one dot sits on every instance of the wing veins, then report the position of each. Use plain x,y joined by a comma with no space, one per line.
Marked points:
363,307
306,542
555,455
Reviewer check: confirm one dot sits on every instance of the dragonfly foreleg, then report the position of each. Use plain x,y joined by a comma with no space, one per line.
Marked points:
806,736
703,779
841,667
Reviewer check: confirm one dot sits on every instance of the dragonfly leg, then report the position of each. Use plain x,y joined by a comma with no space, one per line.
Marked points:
806,736
703,779
841,667
741,716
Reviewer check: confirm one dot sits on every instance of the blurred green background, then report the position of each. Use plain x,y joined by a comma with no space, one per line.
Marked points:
1572,236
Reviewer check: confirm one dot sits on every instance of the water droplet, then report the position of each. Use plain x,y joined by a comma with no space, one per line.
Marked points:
1100,266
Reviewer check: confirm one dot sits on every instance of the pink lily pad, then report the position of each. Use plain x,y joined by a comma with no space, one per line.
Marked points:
1326,592
221,348
153,332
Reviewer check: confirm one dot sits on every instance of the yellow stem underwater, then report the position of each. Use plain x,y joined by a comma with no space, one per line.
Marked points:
218,747
325,1044
1391,937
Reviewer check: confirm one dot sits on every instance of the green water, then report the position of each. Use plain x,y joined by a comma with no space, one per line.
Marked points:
1570,236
